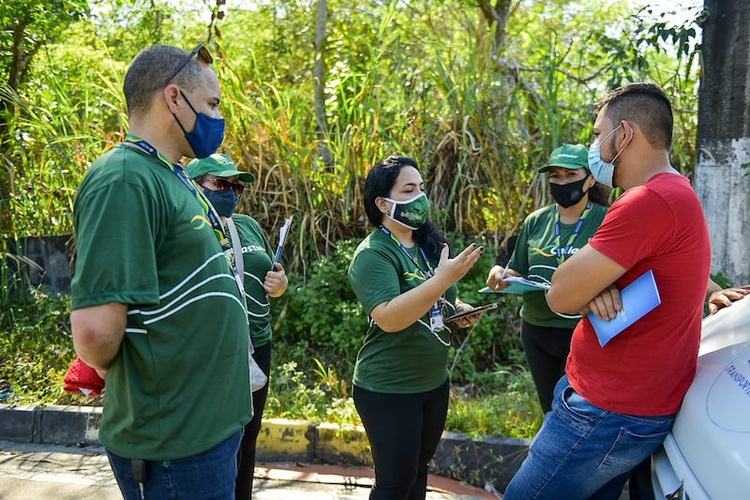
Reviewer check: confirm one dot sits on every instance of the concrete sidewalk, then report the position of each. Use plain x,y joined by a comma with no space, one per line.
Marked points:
34,471
307,450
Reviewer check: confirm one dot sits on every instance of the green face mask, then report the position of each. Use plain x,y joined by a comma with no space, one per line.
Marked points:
411,213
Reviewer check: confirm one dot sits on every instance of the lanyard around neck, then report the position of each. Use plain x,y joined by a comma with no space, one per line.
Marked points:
559,250
429,273
179,171
213,217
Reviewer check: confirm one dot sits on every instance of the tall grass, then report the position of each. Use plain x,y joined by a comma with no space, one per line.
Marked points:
414,80
51,141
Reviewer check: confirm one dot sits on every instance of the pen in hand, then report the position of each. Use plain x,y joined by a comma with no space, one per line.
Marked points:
283,231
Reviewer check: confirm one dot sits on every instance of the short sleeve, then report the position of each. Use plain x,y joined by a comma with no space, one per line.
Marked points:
115,241
374,278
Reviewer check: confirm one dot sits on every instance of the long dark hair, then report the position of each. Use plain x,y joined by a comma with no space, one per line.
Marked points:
599,193
380,180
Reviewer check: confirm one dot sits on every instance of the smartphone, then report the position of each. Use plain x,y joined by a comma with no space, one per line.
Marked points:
473,310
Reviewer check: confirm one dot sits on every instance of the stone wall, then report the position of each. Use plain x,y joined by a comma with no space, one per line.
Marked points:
43,260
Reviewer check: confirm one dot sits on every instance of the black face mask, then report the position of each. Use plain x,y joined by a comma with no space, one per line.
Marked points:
223,201
567,195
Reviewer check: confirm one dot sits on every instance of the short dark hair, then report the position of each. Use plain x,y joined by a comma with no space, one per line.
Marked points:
646,105
149,70
380,180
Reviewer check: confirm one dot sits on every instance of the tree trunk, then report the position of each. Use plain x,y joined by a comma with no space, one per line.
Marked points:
498,15
18,65
320,83
722,173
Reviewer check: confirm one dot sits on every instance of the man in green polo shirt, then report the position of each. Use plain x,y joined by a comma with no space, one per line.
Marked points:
156,305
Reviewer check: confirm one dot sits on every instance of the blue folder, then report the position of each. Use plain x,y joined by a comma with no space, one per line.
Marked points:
519,285
638,298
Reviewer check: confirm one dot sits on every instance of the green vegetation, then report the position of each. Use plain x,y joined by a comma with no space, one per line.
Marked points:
430,80
320,326
478,95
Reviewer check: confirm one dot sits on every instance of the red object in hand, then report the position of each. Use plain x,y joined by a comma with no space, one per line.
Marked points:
84,379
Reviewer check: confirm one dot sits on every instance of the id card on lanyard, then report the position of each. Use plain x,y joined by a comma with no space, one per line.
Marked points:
436,318
436,311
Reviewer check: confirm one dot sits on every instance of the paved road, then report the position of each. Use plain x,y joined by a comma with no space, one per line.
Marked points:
69,473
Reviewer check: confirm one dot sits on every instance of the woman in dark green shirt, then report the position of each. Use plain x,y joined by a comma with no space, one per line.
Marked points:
406,282
547,237
262,278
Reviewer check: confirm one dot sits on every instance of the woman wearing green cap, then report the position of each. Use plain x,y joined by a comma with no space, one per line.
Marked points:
548,236
221,183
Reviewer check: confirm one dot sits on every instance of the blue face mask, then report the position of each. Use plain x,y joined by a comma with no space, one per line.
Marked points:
602,171
223,201
207,135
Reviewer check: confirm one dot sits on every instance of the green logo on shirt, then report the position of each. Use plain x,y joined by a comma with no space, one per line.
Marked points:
202,222
414,276
541,252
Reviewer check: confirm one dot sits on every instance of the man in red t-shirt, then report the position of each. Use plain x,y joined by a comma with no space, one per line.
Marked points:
617,402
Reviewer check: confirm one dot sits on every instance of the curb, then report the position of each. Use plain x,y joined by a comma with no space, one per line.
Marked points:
492,460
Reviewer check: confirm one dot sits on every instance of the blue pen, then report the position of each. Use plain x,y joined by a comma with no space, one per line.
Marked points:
276,257
282,237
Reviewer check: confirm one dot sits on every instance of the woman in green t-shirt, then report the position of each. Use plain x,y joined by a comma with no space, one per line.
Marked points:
547,237
262,278
406,282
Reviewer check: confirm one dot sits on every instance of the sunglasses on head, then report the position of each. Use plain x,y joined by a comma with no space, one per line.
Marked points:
203,54
225,185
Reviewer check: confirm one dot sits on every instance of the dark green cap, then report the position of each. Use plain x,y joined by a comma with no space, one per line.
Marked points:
218,165
572,156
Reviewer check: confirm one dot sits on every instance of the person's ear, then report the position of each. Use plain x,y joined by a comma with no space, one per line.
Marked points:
381,204
171,93
629,133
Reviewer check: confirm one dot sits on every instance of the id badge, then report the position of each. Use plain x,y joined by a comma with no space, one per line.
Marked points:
436,318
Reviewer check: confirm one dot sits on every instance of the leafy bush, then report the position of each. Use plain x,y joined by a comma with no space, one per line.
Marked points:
323,313
36,348
319,326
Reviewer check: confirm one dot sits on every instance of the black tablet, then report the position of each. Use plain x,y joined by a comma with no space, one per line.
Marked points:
469,312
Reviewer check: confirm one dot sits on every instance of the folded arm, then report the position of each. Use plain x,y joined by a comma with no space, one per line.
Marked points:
583,282
98,332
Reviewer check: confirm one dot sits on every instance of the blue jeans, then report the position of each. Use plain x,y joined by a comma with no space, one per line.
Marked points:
583,452
210,474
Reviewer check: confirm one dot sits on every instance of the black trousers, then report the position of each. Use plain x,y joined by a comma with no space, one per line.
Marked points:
404,431
546,351
243,487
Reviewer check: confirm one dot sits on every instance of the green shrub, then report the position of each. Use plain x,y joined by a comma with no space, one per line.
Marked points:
36,348
323,314
319,326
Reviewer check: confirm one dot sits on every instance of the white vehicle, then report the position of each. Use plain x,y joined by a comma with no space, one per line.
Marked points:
707,454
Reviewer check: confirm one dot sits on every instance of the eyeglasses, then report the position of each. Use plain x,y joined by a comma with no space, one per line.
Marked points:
225,185
203,54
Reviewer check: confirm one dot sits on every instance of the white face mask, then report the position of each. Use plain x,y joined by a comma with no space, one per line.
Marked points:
602,171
